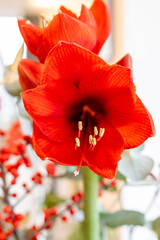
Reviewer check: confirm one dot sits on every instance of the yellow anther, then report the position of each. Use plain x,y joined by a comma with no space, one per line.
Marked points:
90,139
101,132
94,142
80,125
77,142
95,131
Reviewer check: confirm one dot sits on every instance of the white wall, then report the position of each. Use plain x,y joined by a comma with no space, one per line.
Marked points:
142,41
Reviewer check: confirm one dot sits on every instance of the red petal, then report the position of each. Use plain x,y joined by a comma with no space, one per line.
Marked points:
31,34
63,154
104,158
141,127
87,17
68,12
29,73
126,61
66,28
69,62
103,19
51,108
113,89
119,103
104,77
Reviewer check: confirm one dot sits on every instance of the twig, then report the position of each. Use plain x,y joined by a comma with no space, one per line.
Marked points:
24,196
153,199
6,199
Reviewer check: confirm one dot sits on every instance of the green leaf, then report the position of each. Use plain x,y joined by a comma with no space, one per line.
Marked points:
156,227
123,217
120,176
52,200
135,166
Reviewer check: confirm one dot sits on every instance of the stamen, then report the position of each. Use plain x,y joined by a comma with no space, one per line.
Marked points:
44,21
90,139
42,16
76,173
77,142
94,142
80,125
101,132
95,131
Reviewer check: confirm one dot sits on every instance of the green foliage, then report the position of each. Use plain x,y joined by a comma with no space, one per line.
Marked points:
120,176
156,227
52,200
123,217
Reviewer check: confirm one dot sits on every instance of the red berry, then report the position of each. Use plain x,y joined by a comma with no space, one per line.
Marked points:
50,167
75,198
80,195
72,211
65,218
14,195
2,133
9,233
35,236
53,211
13,182
3,236
19,217
4,150
24,185
15,224
49,225
114,183
7,209
46,214
34,227
4,157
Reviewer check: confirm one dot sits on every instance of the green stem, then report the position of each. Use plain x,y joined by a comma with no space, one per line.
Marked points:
92,221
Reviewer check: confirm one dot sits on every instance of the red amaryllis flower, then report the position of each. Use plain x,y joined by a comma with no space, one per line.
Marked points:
90,30
29,73
85,111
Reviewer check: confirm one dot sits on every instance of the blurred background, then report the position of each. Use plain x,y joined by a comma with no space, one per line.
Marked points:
136,30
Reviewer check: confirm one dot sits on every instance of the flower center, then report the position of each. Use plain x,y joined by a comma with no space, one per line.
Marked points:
87,109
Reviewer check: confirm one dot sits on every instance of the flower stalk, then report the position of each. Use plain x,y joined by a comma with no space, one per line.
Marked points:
92,221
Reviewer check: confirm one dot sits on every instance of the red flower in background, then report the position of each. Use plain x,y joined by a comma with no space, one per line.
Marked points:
29,73
90,30
85,111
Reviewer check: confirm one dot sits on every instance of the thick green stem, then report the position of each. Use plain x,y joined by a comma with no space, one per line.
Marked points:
92,221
